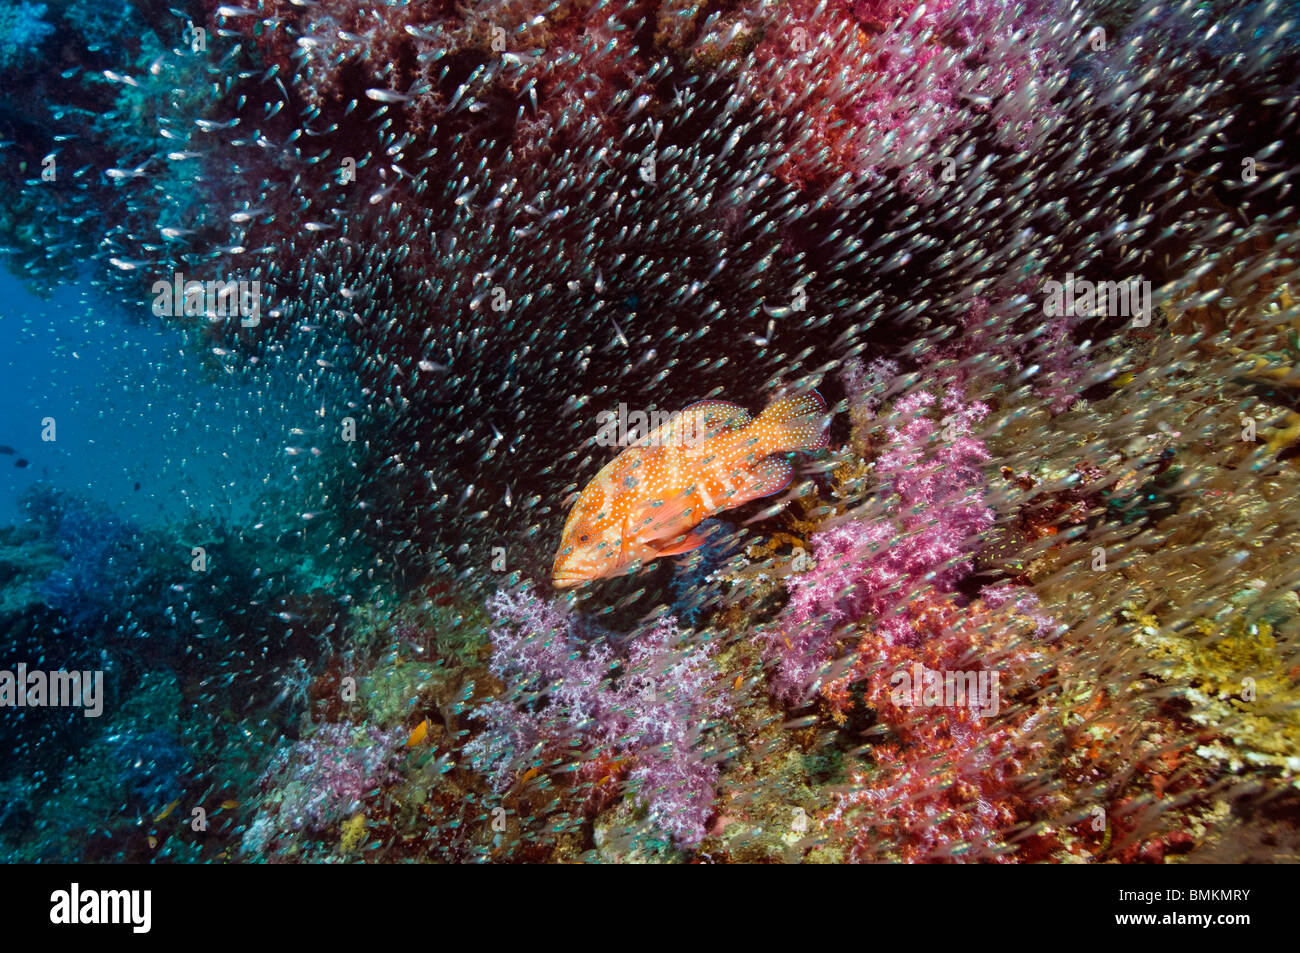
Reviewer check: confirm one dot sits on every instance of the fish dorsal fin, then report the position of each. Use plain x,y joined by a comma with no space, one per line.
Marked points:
711,417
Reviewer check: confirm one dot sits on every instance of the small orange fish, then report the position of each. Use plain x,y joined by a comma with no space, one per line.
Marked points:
418,734
710,457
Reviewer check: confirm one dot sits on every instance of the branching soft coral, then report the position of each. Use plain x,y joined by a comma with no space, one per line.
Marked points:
949,781
886,86
669,698
931,487
318,782
990,329
652,706
554,687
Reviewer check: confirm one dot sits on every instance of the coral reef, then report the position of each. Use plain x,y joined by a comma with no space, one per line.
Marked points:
929,475
1036,602
321,781
562,694
895,89
22,31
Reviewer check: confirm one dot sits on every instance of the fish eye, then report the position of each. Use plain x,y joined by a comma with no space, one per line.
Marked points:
583,538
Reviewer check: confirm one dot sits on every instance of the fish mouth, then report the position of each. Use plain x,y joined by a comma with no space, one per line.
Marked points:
565,580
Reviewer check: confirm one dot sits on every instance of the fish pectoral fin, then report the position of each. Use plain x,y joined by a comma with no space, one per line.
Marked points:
691,541
664,522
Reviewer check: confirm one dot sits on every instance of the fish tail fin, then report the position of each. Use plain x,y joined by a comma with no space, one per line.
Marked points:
795,422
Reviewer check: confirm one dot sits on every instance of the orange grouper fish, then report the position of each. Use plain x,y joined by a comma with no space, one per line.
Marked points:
710,457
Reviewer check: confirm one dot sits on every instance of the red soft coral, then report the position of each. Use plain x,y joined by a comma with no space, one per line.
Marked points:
878,88
949,781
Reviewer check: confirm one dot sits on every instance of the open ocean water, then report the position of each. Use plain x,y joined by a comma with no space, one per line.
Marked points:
139,429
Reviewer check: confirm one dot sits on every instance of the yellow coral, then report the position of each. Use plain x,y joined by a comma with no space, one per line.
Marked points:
354,829
1243,683
1275,361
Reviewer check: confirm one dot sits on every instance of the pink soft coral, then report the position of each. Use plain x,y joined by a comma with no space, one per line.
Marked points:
931,482
880,87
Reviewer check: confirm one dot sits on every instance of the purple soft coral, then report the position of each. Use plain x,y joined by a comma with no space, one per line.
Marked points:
877,566
319,781
670,696
555,688
563,691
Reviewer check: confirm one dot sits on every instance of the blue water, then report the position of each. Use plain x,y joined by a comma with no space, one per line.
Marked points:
132,407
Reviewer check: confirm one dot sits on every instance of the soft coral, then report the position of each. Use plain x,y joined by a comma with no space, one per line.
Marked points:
930,478
648,708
